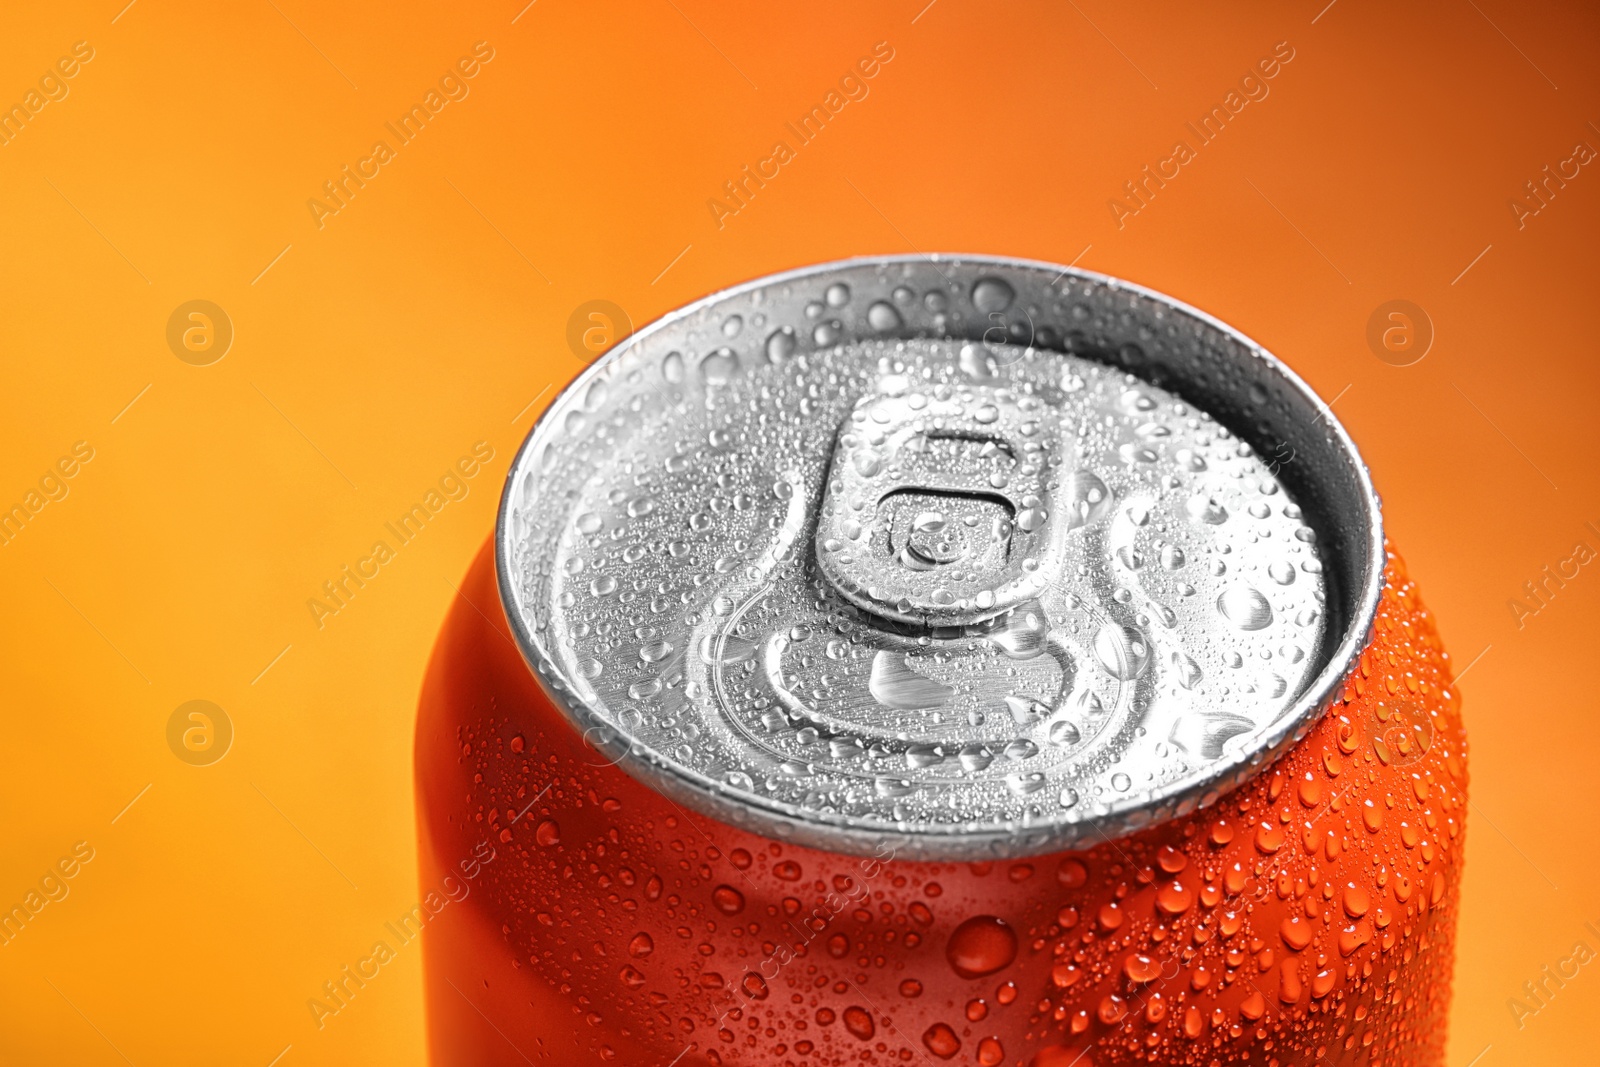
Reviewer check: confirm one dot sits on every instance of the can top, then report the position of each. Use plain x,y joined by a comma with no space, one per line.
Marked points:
955,557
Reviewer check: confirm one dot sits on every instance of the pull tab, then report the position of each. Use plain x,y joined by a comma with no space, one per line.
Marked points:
938,510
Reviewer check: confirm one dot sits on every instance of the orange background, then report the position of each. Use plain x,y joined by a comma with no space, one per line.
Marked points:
431,313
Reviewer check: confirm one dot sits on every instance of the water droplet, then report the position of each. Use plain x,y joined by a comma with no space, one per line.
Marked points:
867,463
982,945
1026,711
992,294
941,1041
727,899
1296,932
641,945
1185,669
895,685
727,650
1175,898
975,362
672,367
1245,607
976,757
1356,901
1087,499
1063,732
547,834
1072,873
858,1021
1282,572
1206,509
827,333
882,316
781,344
837,295
1122,650
719,367
1141,969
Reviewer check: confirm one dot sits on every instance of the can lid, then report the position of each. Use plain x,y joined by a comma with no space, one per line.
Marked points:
956,557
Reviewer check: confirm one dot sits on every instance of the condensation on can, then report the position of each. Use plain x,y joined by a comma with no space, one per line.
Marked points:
956,557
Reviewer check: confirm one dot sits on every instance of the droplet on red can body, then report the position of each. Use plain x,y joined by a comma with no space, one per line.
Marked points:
1072,873
641,945
941,1041
1269,838
981,945
1296,932
547,834
727,899
858,1021
1141,969
1174,899
1170,859
1356,901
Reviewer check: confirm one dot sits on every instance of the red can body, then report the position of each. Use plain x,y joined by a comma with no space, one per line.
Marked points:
1307,917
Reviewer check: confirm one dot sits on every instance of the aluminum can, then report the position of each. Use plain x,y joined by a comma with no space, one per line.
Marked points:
939,659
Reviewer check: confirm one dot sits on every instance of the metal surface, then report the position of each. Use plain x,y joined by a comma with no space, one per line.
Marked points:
960,557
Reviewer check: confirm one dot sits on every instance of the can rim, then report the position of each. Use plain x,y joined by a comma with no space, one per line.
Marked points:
944,842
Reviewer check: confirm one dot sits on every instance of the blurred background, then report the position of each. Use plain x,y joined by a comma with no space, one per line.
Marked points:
272,268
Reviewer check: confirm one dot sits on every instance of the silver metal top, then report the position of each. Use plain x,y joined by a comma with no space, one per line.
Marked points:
966,557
